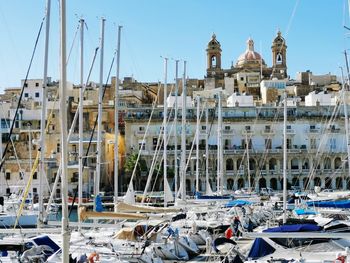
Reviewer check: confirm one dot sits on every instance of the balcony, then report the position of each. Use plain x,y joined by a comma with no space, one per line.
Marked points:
333,130
290,131
267,132
228,131
247,132
313,130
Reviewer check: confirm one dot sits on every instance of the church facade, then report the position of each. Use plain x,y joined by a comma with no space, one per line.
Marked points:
250,68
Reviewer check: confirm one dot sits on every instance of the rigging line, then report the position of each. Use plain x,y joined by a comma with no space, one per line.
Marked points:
21,95
322,144
30,179
292,17
157,149
70,132
93,130
71,48
192,146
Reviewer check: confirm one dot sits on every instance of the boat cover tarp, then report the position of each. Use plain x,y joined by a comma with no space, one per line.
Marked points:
146,209
84,215
238,203
260,248
212,197
301,211
330,203
294,228
45,240
126,233
222,240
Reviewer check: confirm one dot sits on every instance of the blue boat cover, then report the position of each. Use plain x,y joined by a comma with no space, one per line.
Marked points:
238,203
331,203
304,212
260,249
294,228
212,197
45,240
98,202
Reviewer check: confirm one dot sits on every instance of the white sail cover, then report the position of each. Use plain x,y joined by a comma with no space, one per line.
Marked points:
208,189
168,194
129,197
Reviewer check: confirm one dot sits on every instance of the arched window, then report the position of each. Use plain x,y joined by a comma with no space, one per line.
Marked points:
279,59
327,163
272,164
229,165
295,164
262,183
337,163
213,61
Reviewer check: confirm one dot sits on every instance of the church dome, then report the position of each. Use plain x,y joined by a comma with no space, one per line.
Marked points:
249,58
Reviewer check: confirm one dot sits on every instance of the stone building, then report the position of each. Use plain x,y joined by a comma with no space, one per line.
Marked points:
250,69
316,149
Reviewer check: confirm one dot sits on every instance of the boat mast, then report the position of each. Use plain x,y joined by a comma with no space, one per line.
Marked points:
197,145
248,164
99,122
207,185
116,124
346,109
165,118
183,136
175,123
31,161
64,152
81,134
43,116
220,150
285,158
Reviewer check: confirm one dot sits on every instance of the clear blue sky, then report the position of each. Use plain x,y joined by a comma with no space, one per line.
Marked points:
178,29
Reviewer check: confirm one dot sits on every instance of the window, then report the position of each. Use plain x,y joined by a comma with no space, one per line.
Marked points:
332,143
267,128
8,191
142,145
155,140
289,127
204,128
227,128
53,115
247,128
268,143
37,94
35,190
313,143
141,128
75,178
36,84
213,61
279,58
26,85
242,78
26,95
8,175
35,176
312,127
289,143
58,149
58,191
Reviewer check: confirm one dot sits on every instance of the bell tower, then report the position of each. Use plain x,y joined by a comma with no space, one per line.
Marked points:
213,57
279,55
